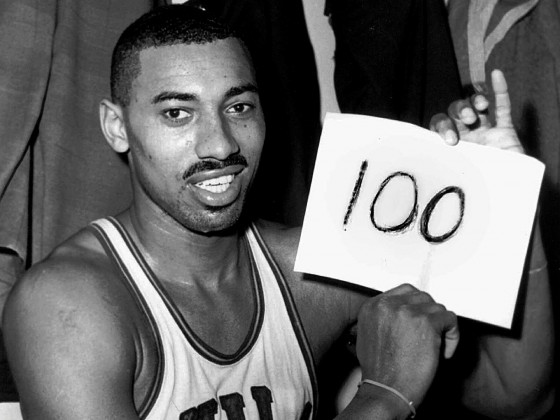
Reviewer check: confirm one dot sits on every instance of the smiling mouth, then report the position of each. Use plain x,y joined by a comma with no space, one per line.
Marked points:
216,185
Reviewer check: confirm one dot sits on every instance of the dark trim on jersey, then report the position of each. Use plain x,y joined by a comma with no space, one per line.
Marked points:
294,316
155,388
198,345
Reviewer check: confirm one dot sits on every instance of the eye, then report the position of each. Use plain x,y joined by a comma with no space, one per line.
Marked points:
176,115
239,108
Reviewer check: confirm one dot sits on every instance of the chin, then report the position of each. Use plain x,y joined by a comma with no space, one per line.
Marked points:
210,222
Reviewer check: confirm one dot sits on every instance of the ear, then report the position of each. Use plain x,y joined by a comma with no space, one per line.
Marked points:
113,126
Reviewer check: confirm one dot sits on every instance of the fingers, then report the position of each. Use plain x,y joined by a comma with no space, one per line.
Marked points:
445,325
480,103
451,341
442,124
463,115
503,104
443,321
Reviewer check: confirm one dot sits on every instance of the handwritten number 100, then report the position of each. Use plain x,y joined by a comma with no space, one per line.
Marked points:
407,222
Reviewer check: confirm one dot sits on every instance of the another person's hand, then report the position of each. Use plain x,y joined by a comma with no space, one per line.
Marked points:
402,335
467,119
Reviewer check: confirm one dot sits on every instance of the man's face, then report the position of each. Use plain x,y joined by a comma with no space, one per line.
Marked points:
196,131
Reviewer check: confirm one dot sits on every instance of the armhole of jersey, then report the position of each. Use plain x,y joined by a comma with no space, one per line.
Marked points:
293,314
155,387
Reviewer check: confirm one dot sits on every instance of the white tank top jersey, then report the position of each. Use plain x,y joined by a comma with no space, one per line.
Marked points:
271,376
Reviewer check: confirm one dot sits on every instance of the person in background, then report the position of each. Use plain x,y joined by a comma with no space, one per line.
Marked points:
393,58
55,172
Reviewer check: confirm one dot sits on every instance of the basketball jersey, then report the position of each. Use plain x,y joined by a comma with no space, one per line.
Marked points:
271,375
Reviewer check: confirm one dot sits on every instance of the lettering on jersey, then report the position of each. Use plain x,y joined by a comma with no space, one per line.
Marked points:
205,411
263,398
233,404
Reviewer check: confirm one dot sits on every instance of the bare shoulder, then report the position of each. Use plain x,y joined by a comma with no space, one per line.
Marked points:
326,306
65,331
77,274
282,241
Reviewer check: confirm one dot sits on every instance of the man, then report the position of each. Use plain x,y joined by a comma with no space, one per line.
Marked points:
181,308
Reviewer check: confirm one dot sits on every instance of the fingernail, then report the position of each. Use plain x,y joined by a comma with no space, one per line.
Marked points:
467,113
480,101
450,137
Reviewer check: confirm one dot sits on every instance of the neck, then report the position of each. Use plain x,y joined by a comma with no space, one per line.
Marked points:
178,254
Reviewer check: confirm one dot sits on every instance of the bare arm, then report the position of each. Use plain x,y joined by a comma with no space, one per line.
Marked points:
70,354
512,376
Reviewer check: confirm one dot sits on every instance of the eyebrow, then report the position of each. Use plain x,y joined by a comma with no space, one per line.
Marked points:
186,97
238,90
172,95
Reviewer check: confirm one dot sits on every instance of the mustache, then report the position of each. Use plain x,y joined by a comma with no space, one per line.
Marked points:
208,165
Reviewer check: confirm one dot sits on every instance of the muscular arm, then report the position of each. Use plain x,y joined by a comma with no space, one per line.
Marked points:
512,377
512,373
71,356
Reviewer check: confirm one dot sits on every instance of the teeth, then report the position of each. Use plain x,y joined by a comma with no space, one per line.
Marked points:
216,185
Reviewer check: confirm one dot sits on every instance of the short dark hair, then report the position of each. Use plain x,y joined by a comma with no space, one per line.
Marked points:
164,25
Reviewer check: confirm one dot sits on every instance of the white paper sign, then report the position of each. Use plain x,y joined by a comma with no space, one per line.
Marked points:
391,203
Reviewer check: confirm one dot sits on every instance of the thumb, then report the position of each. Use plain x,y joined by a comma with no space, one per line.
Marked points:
451,341
446,323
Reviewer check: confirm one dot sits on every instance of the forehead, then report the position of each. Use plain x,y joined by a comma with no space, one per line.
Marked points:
193,66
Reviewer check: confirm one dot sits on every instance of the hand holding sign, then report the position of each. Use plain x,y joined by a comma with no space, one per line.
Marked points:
471,123
452,221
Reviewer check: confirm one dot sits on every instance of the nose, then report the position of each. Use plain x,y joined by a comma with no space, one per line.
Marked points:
215,139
